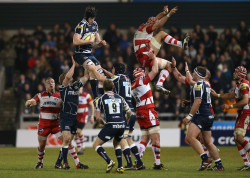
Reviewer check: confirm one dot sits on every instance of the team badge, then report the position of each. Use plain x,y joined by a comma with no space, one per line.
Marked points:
40,130
243,86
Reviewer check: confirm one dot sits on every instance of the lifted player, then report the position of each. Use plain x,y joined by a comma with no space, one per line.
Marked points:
242,95
144,41
83,48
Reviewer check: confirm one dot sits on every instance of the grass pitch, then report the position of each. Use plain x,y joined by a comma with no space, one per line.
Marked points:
181,162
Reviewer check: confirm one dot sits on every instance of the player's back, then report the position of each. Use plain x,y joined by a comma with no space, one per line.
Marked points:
122,86
112,105
70,97
202,91
142,93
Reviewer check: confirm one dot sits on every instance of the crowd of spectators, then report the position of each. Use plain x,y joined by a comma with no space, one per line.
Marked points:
34,57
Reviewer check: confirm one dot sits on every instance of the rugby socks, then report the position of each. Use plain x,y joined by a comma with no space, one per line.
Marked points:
82,141
244,155
126,153
60,157
78,143
142,147
205,149
163,75
65,150
102,153
246,146
73,155
157,154
94,83
118,153
40,154
218,162
204,157
172,41
135,151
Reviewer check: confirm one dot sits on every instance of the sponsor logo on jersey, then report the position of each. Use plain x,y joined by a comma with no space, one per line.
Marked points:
243,86
49,103
73,92
197,88
118,126
40,130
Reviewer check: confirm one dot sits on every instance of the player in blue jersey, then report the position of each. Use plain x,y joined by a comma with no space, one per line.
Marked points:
113,106
200,119
88,27
69,92
122,86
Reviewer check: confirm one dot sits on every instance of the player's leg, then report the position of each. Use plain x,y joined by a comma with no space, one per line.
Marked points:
65,148
200,138
165,72
144,142
162,36
207,137
41,151
192,133
80,138
126,153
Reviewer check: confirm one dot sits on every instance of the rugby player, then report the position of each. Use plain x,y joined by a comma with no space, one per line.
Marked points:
242,94
188,80
69,92
85,101
200,120
144,41
122,86
83,48
145,113
113,106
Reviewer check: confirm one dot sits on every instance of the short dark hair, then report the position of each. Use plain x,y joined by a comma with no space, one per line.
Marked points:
90,11
108,85
62,77
201,70
119,68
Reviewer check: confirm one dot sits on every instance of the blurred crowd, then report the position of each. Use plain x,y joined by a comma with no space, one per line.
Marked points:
30,58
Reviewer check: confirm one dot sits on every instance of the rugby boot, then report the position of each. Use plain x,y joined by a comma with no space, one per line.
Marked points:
205,164
66,166
126,168
162,90
39,165
58,166
216,168
140,167
185,41
81,166
110,166
159,167
120,170
244,168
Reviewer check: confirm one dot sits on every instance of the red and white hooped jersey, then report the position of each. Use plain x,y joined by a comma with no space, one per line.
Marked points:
50,106
241,89
142,93
142,37
83,107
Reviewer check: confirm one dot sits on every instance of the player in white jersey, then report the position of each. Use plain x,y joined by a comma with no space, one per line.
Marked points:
145,113
144,41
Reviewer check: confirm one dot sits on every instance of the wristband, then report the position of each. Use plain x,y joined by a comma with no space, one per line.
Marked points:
164,12
218,95
168,15
189,117
187,70
231,106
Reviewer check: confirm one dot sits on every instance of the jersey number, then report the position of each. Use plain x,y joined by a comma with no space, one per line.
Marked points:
127,89
208,95
114,108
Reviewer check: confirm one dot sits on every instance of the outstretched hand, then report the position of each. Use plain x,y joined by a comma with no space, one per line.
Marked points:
186,67
173,62
213,92
173,11
165,9
151,55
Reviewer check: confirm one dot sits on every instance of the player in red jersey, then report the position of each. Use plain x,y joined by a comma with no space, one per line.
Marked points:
50,103
242,95
144,41
85,101
145,113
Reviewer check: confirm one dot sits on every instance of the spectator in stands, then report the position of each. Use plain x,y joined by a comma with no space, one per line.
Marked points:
39,34
8,55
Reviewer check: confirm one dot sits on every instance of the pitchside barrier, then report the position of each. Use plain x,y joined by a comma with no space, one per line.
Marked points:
171,135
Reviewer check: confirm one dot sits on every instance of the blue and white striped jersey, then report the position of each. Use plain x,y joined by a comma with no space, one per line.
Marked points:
82,28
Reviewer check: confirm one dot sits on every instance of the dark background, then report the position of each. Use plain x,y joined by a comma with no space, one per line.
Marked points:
28,15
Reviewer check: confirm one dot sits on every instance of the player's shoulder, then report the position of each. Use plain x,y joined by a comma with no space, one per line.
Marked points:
95,23
244,84
43,93
57,94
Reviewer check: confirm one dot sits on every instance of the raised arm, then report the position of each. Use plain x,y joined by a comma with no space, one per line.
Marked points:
70,73
163,13
176,73
224,95
154,70
189,77
92,107
99,43
164,19
85,78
